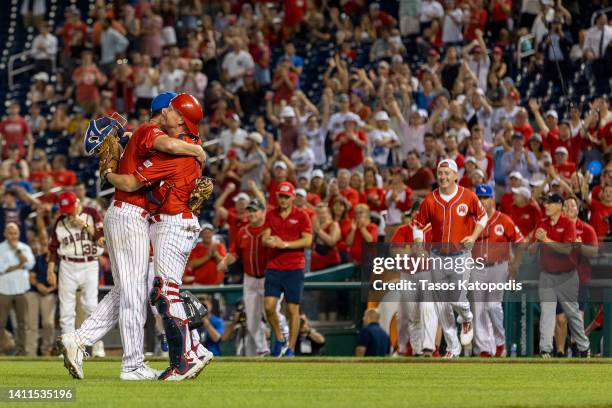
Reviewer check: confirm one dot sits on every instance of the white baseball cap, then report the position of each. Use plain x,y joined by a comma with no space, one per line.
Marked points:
318,173
242,196
423,113
235,117
552,113
450,163
480,173
382,116
524,191
352,117
287,112
300,192
280,164
516,174
470,159
207,225
256,137
561,149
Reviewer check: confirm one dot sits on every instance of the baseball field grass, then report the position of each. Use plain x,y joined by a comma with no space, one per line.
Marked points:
332,382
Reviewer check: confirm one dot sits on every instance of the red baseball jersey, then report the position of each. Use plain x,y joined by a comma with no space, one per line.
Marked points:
493,245
235,222
588,236
137,151
452,220
178,174
287,229
563,231
405,234
249,247
526,217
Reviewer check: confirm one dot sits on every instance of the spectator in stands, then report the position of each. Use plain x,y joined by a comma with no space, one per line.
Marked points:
16,259
601,211
14,130
14,163
521,123
36,121
42,303
373,341
252,169
519,159
235,216
151,38
61,175
112,45
525,212
363,230
202,264
596,49
325,237
478,62
420,179
44,49
171,74
350,144
261,53
88,78
303,158
235,64
398,198
81,192
73,28
146,82
234,137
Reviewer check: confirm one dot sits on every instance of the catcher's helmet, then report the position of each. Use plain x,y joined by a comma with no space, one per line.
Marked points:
191,111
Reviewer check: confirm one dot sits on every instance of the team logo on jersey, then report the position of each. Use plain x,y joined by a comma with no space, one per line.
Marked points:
560,229
525,216
462,210
147,163
293,221
499,230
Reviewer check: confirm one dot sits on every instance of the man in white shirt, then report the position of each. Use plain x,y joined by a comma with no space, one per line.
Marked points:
452,24
16,259
234,136
44,49
384,141
478,60
430,9
303,158
236,64
597,38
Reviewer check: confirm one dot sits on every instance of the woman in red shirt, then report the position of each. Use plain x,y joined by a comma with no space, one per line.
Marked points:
362,231
350,144
340,209
326,234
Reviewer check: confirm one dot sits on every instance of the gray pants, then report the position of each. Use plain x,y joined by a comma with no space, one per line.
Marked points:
561,288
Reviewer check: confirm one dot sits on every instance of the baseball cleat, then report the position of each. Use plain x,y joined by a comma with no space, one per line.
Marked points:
467,333
585,353
173,374
484,354
500,351
288,353
98,350
142,373
206,358
428,352
73,353
450,355
279,348
545,355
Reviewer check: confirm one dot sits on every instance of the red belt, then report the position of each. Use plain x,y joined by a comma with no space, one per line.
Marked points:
119,204
187,215
78,260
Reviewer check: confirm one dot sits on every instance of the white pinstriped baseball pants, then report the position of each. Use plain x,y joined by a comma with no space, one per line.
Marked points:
173,238
127,240
417,321
488,320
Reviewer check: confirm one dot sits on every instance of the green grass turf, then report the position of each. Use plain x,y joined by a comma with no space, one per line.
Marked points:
333,382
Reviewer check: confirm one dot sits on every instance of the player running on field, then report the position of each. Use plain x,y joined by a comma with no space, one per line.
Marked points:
174,233
288,231
126,227
493,246
457,219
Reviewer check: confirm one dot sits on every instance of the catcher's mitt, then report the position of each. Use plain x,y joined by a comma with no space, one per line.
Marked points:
110,153
202,192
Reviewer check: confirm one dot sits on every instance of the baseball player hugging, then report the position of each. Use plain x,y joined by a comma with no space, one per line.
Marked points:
76,243
175,185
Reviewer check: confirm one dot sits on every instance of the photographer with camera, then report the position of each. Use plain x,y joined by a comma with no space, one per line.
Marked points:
310,342
238,332
212,333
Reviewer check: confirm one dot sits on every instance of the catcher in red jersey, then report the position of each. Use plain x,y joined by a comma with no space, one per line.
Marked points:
417,321
457,219
174,233
493,246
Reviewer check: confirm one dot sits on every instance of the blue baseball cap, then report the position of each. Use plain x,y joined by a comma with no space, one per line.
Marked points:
162,101
484,190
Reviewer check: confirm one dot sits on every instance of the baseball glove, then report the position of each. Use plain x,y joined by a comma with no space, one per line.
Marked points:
202,192
110,153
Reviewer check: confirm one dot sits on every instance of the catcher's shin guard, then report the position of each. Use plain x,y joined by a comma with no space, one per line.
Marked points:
165,296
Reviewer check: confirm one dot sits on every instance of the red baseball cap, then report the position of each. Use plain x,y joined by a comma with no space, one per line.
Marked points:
285,188
67,202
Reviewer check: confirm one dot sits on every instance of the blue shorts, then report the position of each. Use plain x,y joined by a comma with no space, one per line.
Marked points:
290,282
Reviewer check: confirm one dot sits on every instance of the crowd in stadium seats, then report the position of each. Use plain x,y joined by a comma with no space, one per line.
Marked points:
354,102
